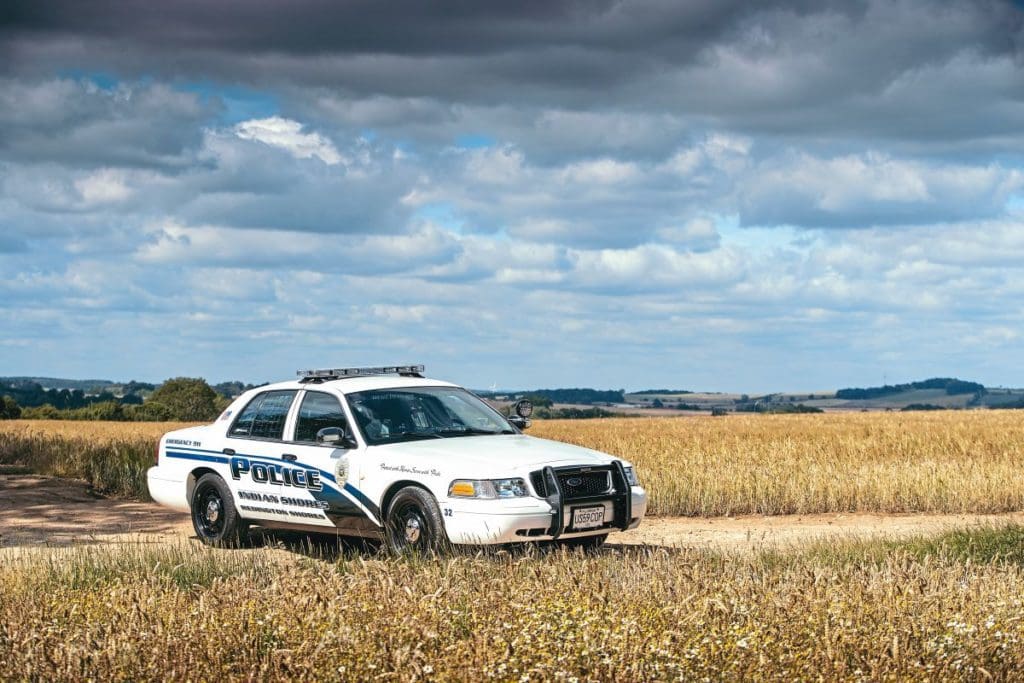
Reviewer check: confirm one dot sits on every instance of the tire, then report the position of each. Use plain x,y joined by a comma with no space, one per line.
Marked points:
214,516
587,544
413,523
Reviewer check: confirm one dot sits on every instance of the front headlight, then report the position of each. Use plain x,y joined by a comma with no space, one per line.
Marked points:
487,488
631,476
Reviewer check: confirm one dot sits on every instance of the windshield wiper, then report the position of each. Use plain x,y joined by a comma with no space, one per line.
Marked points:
411,435
471,431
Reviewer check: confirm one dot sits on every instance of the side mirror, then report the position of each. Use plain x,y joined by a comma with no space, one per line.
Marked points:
520,422
335,436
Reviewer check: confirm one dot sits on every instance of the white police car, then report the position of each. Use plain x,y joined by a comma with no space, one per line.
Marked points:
385,453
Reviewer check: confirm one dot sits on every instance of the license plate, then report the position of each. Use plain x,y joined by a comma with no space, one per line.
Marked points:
587,518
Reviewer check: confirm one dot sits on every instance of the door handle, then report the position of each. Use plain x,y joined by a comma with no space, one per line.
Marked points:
289,457
228,451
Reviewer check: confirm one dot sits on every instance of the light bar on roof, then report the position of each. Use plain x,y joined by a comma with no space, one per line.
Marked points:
338,373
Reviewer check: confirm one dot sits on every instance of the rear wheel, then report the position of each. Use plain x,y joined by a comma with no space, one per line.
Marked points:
587,544
214,516
413,523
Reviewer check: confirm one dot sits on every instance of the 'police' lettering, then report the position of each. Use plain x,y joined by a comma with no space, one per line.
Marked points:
275,474
258,472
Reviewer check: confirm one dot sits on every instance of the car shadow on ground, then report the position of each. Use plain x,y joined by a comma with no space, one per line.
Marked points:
327,547
334,548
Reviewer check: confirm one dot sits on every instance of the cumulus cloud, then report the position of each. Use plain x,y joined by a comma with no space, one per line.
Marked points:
79,124
288,135
821,189
103,186
866,189
227,247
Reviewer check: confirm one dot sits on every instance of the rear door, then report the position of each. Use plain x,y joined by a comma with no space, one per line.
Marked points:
261,475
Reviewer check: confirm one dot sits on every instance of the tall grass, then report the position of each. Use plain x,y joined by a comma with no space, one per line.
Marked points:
184,612
111,456
962,461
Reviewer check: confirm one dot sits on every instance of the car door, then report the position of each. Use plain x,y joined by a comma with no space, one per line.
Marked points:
260,474
339,498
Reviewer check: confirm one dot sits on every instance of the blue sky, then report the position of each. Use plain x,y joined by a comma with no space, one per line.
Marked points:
716,196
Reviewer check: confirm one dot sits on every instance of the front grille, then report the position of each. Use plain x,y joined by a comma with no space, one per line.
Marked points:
537,479
584,484
575,484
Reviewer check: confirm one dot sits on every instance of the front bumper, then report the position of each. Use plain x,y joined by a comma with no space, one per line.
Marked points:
485,522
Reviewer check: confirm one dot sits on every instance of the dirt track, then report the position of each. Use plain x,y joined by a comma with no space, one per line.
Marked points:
44,511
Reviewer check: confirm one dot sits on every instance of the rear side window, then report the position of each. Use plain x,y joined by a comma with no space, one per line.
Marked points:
243,423
264,417
317,411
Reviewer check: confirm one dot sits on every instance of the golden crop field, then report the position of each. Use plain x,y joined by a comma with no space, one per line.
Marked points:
111,456
945,609
950,461
942,608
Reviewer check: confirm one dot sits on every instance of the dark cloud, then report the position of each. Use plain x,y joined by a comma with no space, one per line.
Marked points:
914,70
322,27
80,124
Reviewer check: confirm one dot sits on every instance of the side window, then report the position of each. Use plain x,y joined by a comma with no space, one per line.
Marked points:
264,417
243,423
317,411
269,422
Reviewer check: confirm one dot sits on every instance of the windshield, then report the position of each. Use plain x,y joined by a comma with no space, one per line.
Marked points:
395,415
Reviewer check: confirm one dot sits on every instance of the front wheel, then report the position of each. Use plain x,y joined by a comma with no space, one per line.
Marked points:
214,516
413,523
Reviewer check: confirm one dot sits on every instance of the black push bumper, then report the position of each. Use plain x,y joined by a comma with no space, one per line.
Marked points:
620,495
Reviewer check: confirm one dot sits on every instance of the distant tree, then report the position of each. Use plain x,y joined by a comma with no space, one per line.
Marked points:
950,385
573,413
43,412
539,401
182,399
9,408
133,391
921,406
107,410
777,408
233,389
656,403
580,395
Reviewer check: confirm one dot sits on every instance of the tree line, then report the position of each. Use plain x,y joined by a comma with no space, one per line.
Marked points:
181,399
951,385
549,396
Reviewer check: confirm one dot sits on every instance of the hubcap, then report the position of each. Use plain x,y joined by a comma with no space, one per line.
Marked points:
412,529
213,510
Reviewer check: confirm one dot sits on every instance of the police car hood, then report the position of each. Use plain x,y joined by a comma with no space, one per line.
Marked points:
490,456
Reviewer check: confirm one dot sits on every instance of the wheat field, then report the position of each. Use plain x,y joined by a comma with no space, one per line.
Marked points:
945,609
951,461
941,608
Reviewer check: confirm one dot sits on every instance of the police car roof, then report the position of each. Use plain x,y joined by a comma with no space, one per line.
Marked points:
348,385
